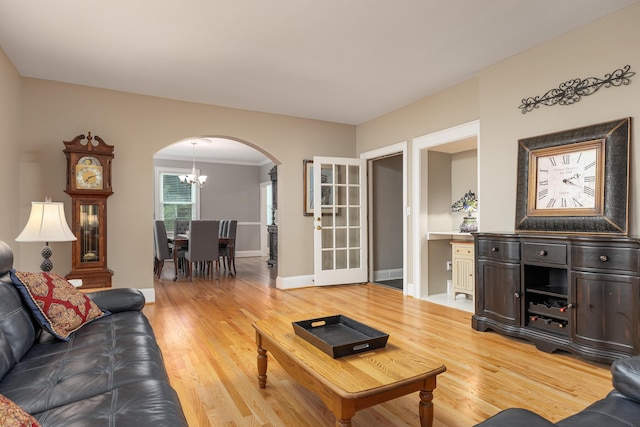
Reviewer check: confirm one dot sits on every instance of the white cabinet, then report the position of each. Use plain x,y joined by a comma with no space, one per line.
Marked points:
462,268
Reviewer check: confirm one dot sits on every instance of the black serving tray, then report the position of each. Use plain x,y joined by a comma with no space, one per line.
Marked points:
339,335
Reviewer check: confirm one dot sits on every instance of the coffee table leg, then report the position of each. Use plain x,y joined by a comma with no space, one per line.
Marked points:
262,363
343,423
426,408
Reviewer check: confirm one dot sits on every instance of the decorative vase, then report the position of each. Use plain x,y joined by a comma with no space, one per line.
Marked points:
469,224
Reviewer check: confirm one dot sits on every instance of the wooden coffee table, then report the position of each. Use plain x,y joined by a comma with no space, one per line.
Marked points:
351,383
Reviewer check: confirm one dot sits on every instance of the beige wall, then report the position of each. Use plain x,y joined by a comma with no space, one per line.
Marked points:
493,98
138,126
9,147
591,51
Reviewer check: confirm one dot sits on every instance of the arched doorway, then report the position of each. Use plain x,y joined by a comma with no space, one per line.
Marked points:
237,172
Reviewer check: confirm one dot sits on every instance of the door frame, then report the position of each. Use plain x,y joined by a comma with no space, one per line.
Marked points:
420,224
399,148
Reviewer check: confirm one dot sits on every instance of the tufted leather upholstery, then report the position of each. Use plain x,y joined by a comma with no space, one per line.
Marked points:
621,407
110,373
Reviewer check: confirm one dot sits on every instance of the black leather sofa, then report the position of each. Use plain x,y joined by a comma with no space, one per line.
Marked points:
109,373
620,408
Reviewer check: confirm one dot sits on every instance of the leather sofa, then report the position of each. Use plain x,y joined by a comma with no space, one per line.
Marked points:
620,408
109,373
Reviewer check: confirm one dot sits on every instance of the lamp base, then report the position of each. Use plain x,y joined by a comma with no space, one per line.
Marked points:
46,253
469,224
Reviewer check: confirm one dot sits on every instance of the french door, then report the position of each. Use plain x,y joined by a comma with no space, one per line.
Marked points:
340,220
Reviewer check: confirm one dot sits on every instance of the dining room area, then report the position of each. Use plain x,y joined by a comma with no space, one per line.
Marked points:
197,247
210,208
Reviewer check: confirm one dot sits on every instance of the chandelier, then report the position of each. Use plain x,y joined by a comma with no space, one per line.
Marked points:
193,178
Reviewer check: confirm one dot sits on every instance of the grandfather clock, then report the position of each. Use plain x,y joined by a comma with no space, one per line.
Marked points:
89,185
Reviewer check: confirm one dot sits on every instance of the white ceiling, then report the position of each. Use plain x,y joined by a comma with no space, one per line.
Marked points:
345,61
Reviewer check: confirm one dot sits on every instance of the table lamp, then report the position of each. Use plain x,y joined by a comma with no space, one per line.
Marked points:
47,223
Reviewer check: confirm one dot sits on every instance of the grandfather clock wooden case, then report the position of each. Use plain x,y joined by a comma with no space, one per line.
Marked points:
89,185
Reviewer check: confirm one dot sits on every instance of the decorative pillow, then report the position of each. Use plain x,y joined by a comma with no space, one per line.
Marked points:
11,415
58,306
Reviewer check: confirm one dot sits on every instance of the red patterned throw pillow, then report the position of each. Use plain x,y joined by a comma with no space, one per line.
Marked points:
11,415
58,306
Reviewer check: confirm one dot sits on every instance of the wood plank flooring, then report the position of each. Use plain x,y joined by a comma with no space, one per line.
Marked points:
204,330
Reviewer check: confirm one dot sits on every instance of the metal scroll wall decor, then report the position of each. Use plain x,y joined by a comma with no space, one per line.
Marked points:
573,90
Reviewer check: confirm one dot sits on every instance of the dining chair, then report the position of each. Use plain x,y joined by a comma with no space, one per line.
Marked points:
180,226
228,229
203,246
162,249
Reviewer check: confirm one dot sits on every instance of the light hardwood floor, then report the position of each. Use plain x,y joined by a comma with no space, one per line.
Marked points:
204,330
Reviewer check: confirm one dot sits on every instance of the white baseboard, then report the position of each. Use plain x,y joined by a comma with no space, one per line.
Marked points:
149,294
246,254
294,282
393,273
411,290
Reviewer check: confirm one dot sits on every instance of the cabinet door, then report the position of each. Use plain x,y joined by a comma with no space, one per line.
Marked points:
498,292
462,275
606,315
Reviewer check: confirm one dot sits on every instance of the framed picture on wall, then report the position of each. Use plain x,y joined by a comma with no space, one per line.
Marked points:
327,196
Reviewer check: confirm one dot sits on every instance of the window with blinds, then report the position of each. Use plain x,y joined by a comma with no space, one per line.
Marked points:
177,200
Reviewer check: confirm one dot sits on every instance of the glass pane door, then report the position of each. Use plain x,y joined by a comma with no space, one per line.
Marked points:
340,220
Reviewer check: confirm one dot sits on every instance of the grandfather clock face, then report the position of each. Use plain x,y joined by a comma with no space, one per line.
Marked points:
89,174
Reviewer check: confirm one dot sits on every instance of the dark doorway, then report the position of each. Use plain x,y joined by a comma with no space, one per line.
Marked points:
386,215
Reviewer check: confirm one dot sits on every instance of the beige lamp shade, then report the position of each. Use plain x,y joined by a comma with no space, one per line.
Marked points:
47,223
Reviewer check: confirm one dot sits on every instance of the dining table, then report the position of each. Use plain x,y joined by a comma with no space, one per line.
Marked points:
182,241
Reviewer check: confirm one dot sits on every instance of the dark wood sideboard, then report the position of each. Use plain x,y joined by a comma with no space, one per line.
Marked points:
574,293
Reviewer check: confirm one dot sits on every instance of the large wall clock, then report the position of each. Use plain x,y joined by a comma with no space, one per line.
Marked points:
89,185
575,181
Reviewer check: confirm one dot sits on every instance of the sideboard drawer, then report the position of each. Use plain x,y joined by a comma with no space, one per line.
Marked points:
605,258
551,253
499,250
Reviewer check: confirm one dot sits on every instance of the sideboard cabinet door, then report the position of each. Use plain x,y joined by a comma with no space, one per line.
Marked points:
498,290
499,297
605,314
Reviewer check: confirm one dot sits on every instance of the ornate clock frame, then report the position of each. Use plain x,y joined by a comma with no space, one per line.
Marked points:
89,185
608,180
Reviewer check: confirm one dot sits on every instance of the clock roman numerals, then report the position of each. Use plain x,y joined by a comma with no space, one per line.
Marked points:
566,159
589,191
542,194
